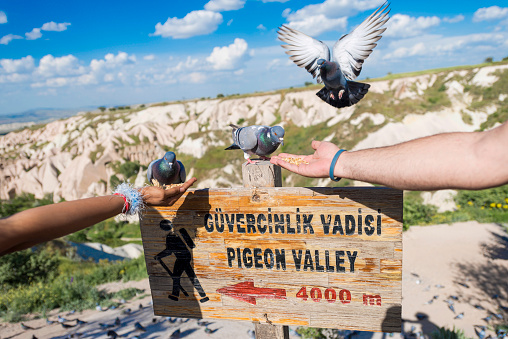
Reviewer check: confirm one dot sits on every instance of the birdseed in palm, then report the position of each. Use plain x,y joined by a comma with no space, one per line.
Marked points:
295,161
156,183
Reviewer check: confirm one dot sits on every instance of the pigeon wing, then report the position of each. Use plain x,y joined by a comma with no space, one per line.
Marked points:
149,174
304,50
247,139
183,174
352,49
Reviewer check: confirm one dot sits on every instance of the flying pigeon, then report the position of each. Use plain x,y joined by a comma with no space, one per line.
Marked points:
167,170
337,71
257,139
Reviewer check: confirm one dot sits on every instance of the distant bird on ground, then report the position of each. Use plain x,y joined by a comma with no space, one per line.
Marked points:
118,322
139,327
480,332
127,311
112,334
140,306
49,322
34,337
176,334
257,140
67,325
252,334
100,308
337,71
459,316
80,322
61,319
25,327
167,170
210,331
105,326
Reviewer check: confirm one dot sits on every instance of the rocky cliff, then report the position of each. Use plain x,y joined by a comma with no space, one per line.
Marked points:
83,155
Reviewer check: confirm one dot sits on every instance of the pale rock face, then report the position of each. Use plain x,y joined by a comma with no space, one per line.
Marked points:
56,158
442,199
484,76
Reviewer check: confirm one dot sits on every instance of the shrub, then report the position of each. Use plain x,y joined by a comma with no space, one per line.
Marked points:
25,267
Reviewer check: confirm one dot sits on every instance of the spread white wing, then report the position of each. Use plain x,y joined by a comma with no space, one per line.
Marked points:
352,49
304,50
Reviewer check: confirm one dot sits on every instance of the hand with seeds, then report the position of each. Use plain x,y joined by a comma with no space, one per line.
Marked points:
316,165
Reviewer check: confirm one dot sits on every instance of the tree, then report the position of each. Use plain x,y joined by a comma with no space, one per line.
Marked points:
489,60
220,95
102,108
307,83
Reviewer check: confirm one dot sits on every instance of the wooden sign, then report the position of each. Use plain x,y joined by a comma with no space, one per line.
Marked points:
317,257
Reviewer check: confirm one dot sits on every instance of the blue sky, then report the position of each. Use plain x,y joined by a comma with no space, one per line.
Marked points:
68,54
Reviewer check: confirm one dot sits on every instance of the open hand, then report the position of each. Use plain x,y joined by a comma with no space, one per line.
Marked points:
318,163
157,196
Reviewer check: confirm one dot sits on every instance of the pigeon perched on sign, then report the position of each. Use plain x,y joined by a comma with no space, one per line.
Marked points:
167,170
337,71
257,140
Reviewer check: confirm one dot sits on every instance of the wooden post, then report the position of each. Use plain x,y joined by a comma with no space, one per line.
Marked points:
265,174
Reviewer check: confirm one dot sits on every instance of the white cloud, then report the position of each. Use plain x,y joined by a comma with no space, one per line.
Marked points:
329,15
53,26
111,61
23,65
3,17
34,34
401,25
229,57
149,57
435,46
273,64
50,67
230,22
265,1
195,77
454,19
261,27
8,38
317,24
490,13
194,23
224,5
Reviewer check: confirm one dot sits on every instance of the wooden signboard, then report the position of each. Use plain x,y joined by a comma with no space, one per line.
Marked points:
317,257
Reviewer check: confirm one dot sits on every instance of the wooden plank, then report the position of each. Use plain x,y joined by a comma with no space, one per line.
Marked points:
294,256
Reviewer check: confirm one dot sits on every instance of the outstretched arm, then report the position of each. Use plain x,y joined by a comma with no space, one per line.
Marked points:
469,160
28,228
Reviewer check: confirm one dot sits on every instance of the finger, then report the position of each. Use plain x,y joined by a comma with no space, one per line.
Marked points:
187,184
315,144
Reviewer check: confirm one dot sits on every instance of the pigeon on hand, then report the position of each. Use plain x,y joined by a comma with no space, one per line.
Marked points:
257,140
349,53
167,170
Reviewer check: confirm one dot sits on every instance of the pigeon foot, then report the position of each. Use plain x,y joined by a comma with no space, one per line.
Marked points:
341,92
332,96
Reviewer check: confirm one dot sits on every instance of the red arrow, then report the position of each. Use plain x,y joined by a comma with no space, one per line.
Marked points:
245,291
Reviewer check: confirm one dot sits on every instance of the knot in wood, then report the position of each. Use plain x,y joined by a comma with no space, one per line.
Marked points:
256,197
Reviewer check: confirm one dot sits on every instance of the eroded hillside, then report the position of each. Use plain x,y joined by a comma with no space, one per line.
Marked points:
87,154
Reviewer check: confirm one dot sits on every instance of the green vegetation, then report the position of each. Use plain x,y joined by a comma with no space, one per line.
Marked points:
490,205
444,333
66,283
22,202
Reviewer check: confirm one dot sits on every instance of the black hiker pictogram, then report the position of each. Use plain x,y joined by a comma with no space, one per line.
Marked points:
180,247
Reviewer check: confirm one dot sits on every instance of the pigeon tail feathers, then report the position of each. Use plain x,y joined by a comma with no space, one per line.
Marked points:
233,146
356,91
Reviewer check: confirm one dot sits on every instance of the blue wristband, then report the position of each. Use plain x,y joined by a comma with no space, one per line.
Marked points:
332,165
